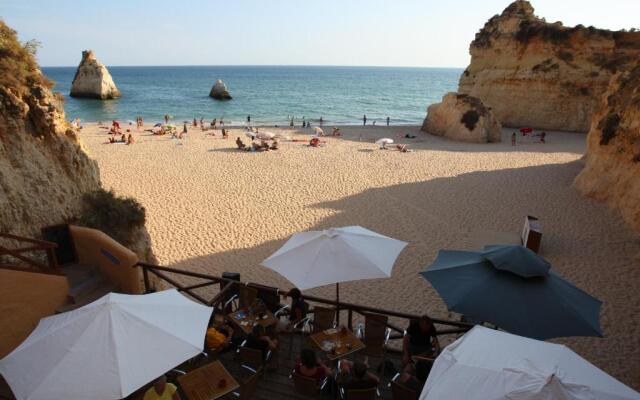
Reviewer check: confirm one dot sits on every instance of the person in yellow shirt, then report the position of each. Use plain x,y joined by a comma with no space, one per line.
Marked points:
161,390
218,338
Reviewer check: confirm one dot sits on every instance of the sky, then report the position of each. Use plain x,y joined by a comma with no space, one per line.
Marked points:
417,33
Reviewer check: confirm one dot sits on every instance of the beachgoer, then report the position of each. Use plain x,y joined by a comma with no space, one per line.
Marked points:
402,148
513,139
321,121
314,142
274,145
195,122
225,134
221,123
364,119
161,390
420,339
240,143
388,119
166,118
130,139
310,366
354,375
542,136
374,122
249,119
123,138
336,131
184,128
291,123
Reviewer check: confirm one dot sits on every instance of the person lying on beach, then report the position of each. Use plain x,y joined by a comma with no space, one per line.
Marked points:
240,144
408,136
402,148
315,142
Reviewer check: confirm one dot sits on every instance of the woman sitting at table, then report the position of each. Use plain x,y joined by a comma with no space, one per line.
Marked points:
311,367
298,312
420,339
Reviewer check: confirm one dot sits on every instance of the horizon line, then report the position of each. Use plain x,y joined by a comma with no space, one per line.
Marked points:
259,65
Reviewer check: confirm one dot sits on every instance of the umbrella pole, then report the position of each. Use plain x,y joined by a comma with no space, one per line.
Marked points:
337,304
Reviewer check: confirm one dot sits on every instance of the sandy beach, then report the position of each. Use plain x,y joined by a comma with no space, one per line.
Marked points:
213,208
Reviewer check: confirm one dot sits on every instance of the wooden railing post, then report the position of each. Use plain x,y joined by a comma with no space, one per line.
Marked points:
350,322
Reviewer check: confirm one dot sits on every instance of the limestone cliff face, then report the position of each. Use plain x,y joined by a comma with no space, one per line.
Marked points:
544,75
462,117
93,80
44,170
612,169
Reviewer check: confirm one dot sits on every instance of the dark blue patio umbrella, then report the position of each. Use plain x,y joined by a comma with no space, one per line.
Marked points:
514,289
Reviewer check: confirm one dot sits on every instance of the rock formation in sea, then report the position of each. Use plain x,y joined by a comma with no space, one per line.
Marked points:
219,91
544,75
462,117
93,80
612,162
45,172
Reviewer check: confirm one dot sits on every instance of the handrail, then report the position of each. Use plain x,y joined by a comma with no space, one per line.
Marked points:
230,283
46,246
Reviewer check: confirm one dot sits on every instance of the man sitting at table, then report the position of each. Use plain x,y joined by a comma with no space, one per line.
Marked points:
354,375
420,339
258,340
161,390
218,338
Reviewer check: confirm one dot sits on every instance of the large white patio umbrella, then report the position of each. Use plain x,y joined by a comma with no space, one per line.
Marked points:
106,349
490,364
316,258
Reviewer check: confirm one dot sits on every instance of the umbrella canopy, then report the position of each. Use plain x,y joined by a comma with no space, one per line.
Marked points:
513,288
106,349
489,364
384,141
265,135
318,131
317,258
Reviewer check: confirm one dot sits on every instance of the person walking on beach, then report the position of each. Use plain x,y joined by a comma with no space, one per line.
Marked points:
364,120
304,123
248,119
513,139
291,123
321,121
166,118
388,119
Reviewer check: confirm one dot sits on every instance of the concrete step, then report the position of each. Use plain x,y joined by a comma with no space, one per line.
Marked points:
103,288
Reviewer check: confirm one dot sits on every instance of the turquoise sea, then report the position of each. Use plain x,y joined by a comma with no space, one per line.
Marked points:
270,94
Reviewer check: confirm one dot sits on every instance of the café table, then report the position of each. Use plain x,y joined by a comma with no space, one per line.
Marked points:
208,382
337,342
246,320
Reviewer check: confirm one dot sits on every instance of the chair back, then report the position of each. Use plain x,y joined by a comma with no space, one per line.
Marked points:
251,357
361,394
247,295
401,392
375,326
323,318
305,385
248,388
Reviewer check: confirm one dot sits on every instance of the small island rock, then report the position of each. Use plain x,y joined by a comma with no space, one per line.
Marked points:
93,80
219,91
462,117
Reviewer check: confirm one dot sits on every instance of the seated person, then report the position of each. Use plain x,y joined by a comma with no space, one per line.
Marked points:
311,367
415,376
240,143
274,145
161,390
218,338
336,132
130,139
123,138
258,340
298,310
264,145
112,139
354,375
420,339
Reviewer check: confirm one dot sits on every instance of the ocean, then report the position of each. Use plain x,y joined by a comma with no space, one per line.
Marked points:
270,94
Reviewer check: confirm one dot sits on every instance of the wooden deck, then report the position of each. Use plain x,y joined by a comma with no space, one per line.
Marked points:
277,385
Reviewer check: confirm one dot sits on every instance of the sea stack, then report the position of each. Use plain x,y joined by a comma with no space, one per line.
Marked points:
543,75
93,80
219,91
462,117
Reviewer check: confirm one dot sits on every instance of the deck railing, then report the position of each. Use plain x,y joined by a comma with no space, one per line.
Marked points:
229,286
21,253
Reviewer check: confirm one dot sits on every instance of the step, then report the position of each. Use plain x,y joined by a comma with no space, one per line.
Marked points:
86,286
104,288
78,273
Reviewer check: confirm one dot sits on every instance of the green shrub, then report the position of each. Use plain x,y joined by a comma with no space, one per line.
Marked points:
118,217
18,67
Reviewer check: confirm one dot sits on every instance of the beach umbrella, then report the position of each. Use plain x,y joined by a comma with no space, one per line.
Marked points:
490,364
157,125
383,142
106,349
317,258
318,131
265,135
512,287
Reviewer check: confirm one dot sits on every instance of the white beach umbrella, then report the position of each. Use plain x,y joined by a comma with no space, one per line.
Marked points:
106,349
264,135
383,142
317,258
318,131
490,364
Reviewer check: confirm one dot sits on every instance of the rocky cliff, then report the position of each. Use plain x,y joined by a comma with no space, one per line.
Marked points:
544,75
612,169
93,80
44,171
462,117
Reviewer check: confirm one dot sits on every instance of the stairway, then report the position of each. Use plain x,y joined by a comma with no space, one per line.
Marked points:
86,284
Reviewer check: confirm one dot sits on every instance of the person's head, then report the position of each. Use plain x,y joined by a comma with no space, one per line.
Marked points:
359,370
258,331
308,358
423,368
295,294
425,323
160,383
